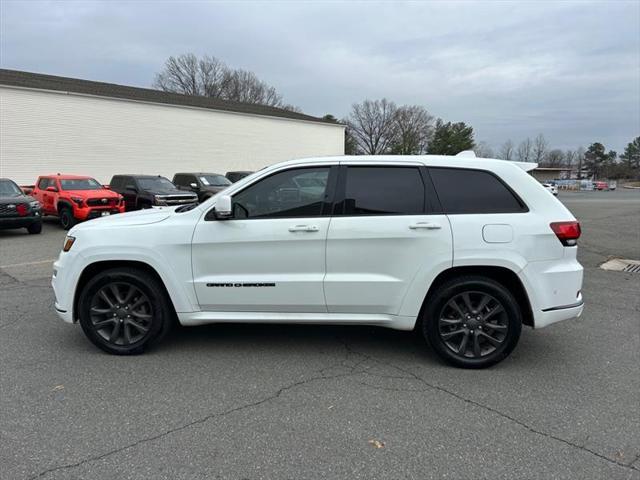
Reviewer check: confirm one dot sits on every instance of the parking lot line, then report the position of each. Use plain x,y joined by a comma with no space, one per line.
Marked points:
27,263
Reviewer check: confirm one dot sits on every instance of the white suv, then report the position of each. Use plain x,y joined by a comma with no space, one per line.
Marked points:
464,250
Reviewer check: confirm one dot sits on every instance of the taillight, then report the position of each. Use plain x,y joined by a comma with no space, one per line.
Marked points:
567,232
22,209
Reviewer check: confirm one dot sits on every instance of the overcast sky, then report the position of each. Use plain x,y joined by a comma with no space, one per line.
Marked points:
569,70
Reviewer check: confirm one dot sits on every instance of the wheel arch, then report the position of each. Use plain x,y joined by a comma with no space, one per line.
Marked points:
99,266
503,275
64,203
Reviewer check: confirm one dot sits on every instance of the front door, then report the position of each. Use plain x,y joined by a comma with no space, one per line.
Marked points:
270,257
385,234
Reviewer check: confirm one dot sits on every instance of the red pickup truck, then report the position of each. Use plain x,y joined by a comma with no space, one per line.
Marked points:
75,198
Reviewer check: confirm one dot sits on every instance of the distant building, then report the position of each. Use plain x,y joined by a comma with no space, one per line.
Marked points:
54,124
546,174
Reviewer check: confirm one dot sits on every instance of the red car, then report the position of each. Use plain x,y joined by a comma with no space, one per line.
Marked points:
75,198
600,186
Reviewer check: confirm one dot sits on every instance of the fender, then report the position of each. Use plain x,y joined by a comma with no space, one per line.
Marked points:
182,294
65,202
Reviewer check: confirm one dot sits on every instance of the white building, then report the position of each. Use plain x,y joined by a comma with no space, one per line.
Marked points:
54,124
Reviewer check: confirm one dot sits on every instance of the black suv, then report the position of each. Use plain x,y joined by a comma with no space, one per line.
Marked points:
18,210
205,185
146,191
238,175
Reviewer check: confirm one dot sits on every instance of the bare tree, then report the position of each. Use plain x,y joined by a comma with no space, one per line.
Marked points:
570,158
524,150
507,150
413,129
211,77
483,150
373,125
539,148
553,158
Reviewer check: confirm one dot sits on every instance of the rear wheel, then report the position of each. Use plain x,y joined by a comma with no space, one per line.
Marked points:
67,220
472,322
124,310
35,228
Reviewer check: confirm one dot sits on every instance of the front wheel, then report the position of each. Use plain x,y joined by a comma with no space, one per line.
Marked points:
67,220
35,228
472,322
124,310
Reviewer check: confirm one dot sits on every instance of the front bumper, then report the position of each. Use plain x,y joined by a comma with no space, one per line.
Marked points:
66,272
19,222
88,213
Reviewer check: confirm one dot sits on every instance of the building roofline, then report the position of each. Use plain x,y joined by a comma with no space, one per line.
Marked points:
39,81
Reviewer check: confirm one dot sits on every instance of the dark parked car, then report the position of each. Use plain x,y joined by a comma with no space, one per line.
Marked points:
18,210
205,185
146,191
235,176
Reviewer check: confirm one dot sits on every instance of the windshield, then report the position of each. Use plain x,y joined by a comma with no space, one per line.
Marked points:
214,180
80,184
9,189
155,183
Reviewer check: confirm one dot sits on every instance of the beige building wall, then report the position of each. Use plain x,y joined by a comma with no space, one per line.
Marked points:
43,132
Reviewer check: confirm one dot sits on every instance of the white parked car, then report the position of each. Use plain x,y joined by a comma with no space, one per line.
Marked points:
551,188
465,250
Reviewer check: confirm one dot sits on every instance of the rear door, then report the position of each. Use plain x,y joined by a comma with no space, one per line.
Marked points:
386,229
48,199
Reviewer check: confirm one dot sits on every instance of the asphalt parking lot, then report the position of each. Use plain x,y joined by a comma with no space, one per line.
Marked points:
252,402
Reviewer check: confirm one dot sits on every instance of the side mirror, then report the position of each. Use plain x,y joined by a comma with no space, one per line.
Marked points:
52,189
194,186
106,187
223,209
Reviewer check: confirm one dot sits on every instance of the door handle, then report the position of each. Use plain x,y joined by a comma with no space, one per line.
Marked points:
303,228
425,225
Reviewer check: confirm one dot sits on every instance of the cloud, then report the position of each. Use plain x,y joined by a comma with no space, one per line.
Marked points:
570,70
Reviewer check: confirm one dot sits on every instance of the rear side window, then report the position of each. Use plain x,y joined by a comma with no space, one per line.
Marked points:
116,182
383,191
473,191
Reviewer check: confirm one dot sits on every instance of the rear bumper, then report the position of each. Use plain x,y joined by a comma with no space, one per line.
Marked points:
554,289
558,314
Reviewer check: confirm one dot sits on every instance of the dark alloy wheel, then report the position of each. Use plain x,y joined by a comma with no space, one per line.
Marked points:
472,322
124,310
66,218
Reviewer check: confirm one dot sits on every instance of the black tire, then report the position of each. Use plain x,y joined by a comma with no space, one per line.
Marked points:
67,220
141,318
35,228
472,322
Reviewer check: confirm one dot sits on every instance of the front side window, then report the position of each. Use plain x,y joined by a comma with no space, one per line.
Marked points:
46,182
292,193
384,191
80,184
473,191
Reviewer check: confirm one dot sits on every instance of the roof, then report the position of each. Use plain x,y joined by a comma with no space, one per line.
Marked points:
64,176
552,169
17,78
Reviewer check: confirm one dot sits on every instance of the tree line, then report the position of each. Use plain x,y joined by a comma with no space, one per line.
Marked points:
375,127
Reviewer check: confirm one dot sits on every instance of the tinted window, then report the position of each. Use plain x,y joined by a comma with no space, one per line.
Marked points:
213,180
179,180
384,191
45,182
116,182
293,193
473,191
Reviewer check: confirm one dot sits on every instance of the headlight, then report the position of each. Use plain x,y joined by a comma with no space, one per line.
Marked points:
78,200
35,205
158,200
68,243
